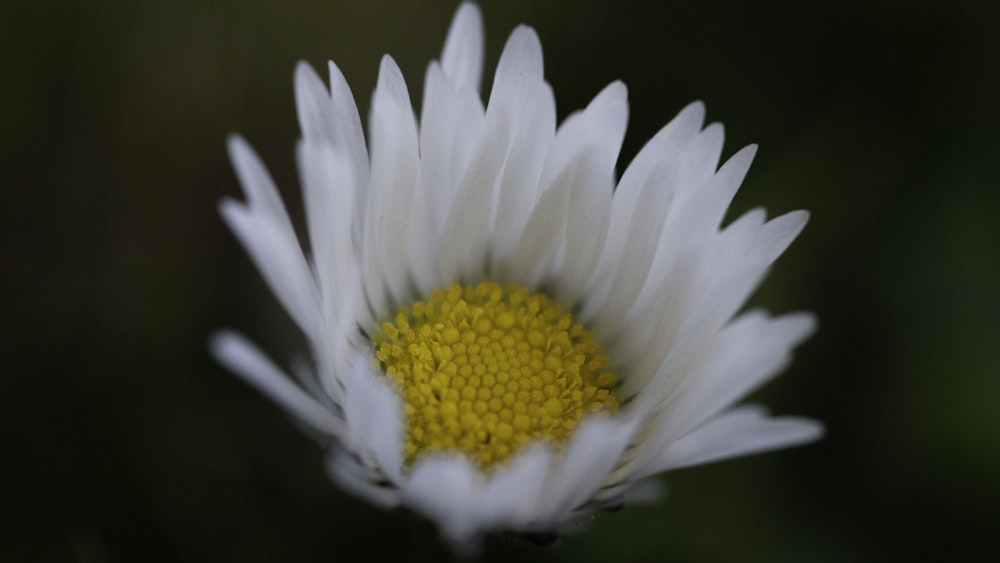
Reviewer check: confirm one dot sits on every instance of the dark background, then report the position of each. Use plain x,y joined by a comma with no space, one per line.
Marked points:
123,441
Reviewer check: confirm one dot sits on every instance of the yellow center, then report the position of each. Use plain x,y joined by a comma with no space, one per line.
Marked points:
485,369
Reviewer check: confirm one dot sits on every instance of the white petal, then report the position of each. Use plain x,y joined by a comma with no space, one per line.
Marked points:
778,234
374,418
328,190
351,139
719,282
699,219
466,232
581,161
343,342
265,230
262,194
667,189
438,127
462,58
664,146
511,496
748,352
741,431
590,198
698,162
446,489
657,159
542,234
628,260
345,469
535,128
722,187
450,126
279,259
314,107
395,166
520,97
591,454
737,264
680,258
244,359
519,67
423,230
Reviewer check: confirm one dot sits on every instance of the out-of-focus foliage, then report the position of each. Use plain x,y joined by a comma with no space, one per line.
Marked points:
123,441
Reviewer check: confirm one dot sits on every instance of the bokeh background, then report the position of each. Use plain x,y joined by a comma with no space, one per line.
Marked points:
123,441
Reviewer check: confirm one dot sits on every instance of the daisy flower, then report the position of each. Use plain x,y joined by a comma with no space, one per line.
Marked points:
503,335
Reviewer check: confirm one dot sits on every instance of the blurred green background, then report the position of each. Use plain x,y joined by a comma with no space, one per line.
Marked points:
123,441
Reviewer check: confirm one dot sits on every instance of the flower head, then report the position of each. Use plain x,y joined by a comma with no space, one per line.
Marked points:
504,336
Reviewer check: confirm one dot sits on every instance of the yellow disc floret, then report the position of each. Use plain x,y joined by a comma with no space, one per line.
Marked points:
485,369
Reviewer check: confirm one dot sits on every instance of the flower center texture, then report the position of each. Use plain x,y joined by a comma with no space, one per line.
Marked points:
485,369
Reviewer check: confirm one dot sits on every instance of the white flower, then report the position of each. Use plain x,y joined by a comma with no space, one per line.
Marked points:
482,198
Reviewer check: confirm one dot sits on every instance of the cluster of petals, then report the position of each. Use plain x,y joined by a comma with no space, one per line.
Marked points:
502,192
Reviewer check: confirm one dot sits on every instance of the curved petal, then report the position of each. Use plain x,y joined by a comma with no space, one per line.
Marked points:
446,489
520,66
465,237
395,168
375,422
246,360
625,267
450,124
262,195
351,139
641,200
727,271
314,107
349,473
748,352
328,190
280,261
752,349
462,58
742,431
590,456
534,123
511,495
578,166
590,199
